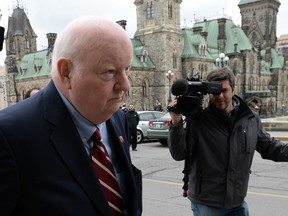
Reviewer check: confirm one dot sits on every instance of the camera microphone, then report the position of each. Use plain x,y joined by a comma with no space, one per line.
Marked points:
179,87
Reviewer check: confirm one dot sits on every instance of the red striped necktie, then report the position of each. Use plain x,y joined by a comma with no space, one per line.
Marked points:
104,170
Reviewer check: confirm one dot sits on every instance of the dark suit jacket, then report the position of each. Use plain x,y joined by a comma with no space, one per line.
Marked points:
44,168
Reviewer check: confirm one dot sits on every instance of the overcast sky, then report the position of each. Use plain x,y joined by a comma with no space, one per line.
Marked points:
53,15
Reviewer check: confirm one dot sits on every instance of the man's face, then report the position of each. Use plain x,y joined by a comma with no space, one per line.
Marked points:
100,82
223,101
131,107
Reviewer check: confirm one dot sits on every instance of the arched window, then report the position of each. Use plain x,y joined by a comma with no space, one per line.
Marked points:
170,11
250,84
12,46
144,89
150,10
174,60
26,42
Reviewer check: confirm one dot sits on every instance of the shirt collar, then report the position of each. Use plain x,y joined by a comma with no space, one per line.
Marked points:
84,126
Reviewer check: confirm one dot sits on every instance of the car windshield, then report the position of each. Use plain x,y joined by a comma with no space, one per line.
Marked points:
167,115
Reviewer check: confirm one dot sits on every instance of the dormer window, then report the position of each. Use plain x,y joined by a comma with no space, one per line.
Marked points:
143,56
21,71
35,68
202,49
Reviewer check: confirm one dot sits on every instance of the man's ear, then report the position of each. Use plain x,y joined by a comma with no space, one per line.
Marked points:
233,90
64,69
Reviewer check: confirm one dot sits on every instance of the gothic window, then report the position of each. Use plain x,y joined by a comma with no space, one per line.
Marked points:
150,10
170,10
202,68
250,84
144,89
26,42
264,85
255,39
12,46
174,60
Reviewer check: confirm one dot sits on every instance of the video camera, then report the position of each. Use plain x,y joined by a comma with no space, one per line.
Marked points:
190,92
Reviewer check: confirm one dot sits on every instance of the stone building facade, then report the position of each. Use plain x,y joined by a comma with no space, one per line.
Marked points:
161,45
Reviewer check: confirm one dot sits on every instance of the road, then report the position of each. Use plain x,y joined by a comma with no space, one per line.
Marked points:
162,184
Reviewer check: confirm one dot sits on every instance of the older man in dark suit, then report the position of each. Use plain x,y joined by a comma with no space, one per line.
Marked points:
47,165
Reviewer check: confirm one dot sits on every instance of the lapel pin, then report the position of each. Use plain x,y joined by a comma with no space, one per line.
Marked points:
121,139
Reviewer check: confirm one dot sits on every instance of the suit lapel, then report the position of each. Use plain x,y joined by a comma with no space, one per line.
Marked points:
70,148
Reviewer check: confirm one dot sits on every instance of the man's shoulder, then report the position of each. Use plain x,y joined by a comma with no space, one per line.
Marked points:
119,114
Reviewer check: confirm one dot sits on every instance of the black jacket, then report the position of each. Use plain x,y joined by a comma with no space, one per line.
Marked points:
133,119
222,153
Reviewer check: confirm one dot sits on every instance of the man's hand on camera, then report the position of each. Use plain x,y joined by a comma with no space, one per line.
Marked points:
175,117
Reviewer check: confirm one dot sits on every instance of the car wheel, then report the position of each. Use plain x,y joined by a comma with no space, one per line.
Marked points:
163,142
139,136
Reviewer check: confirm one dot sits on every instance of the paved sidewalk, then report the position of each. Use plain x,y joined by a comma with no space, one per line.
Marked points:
277,127
275,124
282,135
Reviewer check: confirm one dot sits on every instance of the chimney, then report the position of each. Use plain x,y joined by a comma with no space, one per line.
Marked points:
51,40
122,23
197,29
222,34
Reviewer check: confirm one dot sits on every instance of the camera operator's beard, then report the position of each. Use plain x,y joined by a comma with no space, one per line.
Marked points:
223,105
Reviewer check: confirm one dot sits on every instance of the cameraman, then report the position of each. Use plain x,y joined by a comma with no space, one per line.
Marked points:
222,141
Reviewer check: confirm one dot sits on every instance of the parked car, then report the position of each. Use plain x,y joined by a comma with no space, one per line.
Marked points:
142,126
159,128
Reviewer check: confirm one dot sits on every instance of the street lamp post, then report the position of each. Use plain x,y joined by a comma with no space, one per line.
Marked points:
169,75
222,60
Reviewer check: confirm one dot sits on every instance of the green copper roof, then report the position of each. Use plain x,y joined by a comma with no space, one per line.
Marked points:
191,43
252,1
34,65
234,34
277,61
141,58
